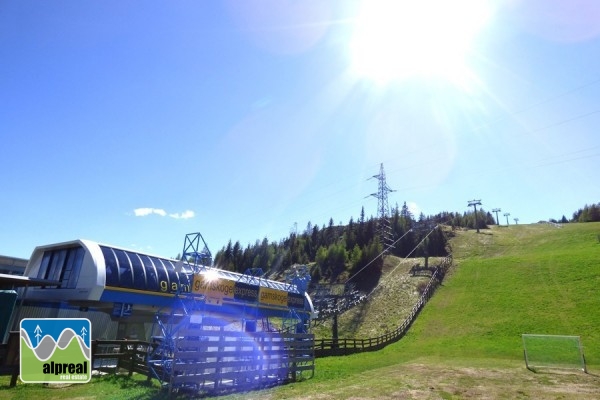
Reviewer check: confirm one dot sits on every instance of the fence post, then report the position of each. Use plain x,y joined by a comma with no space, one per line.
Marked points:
94,350
381,341
132,357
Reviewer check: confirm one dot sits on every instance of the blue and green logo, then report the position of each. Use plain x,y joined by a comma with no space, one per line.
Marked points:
56,350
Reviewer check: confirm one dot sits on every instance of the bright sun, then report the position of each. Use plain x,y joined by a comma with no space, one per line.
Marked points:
400,39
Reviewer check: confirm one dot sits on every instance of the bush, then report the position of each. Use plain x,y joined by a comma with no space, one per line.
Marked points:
421,286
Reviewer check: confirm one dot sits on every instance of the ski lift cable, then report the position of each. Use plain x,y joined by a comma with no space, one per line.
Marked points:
393,244
408,255
379,255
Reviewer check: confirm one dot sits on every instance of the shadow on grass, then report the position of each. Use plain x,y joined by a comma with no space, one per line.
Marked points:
140,388
360,313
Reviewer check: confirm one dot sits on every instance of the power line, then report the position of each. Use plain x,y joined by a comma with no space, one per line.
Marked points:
540,163
538,103
408,255
385,250
405,257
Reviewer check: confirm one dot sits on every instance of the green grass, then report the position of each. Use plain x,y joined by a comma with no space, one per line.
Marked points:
371,319
466,343
557,351
108,387
523,279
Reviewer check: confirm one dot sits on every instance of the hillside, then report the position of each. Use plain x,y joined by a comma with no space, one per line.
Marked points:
505,281
513,280
466,343
391,303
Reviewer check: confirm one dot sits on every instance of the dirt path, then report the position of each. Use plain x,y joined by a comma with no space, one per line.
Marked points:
432,382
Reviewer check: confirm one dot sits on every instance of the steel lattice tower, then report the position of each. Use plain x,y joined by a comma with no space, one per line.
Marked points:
383,210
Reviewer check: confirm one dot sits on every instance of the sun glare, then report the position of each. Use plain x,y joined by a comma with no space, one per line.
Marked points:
211,275
397,40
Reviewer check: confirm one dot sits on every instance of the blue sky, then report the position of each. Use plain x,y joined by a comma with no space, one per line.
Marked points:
135,123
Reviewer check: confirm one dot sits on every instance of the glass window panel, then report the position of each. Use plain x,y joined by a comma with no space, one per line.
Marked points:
184,278
44,265
66,270
76,268
58,259
172,275
151,275
181,279
72,267
139,274
163,277
168,264
112,269
125,272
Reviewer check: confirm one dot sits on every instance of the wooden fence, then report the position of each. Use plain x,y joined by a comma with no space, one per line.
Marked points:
112,356
211,359
339,347
208,357
9,357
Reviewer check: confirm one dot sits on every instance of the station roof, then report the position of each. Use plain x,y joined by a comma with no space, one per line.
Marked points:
8,281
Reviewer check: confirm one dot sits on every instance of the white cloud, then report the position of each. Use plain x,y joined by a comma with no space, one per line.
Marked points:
187,214
145,211
142,212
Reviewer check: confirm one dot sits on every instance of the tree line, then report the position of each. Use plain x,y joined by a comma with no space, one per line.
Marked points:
351,251
589,213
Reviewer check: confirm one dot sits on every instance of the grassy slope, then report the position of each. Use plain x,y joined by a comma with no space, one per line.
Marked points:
466,342
373,318
505,282
509,281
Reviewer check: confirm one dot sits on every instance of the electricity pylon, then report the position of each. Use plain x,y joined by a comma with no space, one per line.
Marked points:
383,210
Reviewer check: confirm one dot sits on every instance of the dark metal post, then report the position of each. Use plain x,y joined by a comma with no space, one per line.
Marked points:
475,203
497,210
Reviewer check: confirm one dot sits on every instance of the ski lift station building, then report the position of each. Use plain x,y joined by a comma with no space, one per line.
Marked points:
124,293
210,329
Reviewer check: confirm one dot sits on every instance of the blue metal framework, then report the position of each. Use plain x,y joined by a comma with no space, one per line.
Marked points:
193,254
180,312
191,307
